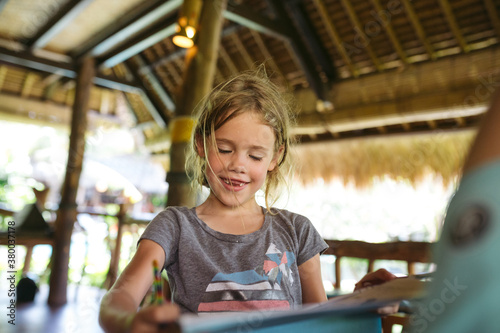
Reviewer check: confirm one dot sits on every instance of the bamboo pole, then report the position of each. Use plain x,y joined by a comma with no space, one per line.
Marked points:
115,255
201,62
66,214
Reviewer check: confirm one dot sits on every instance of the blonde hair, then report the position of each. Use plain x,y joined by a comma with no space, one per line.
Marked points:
249,91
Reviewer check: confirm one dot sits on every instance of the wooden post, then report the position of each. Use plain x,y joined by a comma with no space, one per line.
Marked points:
201,62
66,214
27,259
338,273
115,255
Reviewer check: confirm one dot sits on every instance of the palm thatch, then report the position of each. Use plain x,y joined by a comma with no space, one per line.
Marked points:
403,157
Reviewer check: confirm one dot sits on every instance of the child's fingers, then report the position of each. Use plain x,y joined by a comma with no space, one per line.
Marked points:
377,277
158,318
389,309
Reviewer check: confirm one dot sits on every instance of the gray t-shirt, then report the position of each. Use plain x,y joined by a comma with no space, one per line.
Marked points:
210,271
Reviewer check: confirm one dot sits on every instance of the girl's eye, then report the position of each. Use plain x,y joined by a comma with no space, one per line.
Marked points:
256,158
224,151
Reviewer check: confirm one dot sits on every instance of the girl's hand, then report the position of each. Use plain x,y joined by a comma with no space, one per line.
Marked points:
156,319
374,278
378,277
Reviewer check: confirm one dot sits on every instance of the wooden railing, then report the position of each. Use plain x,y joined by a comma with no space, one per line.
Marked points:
410,252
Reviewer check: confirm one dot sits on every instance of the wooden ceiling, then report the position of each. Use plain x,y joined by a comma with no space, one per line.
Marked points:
357,67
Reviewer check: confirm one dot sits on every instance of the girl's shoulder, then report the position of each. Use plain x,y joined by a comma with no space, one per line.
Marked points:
177,213
287,215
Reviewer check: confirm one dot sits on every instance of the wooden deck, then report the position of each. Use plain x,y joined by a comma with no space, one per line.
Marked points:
79,315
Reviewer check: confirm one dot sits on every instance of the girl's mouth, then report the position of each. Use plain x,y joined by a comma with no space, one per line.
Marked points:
233,184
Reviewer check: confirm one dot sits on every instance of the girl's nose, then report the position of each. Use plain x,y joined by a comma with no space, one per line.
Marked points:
237,163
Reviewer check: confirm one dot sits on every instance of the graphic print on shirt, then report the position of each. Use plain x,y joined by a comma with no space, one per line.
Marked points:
261,288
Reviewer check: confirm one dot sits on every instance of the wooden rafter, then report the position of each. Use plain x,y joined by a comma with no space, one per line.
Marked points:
493,14
452,21
151,82
50,89
56,24
247,17
3,74
2,4
139,43
392,35
243,51
268,57
28,60
138,19
28,83
177,54
332,32
306,62
418,28
355,21
227,60
171,69
310,38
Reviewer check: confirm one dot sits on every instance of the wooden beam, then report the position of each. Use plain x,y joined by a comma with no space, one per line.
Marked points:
227,60
155,83
359,29
452,21
406,251
66,214
426,107
139,43
181,52
311,39
28,83
493,15
337,41
57,23
2,4
138,19
154,108
418,28
28,60
267,55
247,58
247,17
390,32
3,74
16,108
306,61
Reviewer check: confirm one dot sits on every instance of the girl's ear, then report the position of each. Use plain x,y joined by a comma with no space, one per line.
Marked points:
275,159
200,147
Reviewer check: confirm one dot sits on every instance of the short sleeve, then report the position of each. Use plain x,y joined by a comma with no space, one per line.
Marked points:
164,229
309,240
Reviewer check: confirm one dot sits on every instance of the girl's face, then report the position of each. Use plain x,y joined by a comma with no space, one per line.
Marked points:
238,164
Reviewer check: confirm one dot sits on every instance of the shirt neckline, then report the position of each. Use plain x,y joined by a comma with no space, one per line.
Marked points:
231,237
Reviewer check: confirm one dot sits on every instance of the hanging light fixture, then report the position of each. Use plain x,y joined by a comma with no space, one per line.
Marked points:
187,23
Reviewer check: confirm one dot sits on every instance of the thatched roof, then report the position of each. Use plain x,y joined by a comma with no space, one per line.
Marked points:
401,157
358,68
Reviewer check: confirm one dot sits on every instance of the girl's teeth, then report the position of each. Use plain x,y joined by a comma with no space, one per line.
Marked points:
229,183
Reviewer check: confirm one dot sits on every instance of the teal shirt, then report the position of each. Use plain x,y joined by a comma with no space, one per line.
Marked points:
464,295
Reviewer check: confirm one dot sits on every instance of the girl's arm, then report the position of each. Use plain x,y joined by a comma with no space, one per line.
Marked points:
118,312
311,281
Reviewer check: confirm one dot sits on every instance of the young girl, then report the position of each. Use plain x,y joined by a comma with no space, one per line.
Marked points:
229,253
